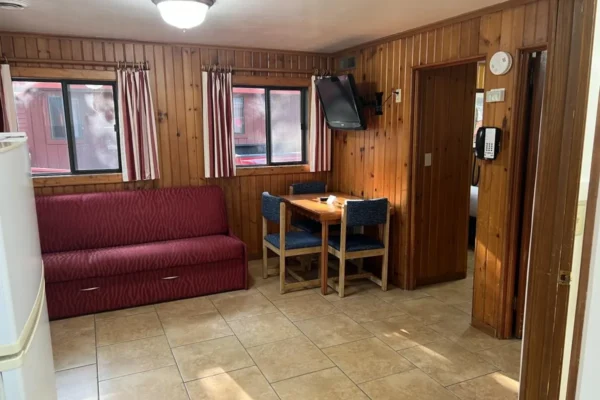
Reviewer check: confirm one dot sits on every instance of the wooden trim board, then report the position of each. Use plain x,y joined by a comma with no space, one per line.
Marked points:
58,73
277,81
75,180
143,42
272,170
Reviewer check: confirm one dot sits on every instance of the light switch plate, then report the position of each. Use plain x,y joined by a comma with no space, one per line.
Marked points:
398,95
428,159
495,96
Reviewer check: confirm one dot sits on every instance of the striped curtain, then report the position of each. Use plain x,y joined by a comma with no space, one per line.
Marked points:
139,148
8,112
217,100
319,135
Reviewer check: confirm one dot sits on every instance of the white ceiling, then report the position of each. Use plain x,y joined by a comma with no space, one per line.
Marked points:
303,25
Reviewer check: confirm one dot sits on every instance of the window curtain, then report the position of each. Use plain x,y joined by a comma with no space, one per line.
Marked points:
139,148
319,134
217,100
8,112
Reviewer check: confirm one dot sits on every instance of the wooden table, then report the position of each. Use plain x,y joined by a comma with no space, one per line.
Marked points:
326,214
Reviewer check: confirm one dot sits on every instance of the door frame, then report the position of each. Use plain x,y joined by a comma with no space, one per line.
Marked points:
516,189
410,278
586,256
571,27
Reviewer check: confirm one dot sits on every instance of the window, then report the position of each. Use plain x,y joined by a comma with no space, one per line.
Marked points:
71,125
273,123
238,112
57,118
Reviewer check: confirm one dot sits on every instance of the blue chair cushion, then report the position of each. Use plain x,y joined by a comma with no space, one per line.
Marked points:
270,207
294,240
357,242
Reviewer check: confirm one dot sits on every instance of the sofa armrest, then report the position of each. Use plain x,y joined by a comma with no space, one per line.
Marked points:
231,234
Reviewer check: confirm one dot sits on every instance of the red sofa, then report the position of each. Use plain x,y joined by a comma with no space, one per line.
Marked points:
106,251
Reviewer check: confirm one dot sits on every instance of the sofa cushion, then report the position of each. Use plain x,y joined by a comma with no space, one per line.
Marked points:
101,220
94,263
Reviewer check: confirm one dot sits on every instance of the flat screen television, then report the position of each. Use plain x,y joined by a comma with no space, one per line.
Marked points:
343,108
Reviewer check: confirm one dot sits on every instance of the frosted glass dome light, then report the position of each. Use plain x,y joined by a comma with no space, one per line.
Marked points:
183,14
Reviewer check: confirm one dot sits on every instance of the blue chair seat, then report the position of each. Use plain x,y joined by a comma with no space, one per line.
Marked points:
294,240
357,242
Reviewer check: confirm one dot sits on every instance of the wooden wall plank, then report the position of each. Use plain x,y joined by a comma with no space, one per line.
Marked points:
176,83
509,29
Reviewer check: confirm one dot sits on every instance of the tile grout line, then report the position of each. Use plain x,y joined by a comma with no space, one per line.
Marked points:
124,316
398,352
76,367
329,358
187,393
253,360
136,373
132,340
334,304
471,379
455,383
98,394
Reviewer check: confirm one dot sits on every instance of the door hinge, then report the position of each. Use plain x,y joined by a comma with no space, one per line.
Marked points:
564,278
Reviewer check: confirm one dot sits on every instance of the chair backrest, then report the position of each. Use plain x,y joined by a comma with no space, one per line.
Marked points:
271,207
366,212
308,187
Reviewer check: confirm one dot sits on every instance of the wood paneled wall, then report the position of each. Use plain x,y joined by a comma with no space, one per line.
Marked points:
377,163
175,72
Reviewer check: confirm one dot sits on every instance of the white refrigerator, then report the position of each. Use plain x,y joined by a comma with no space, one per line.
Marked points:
26,365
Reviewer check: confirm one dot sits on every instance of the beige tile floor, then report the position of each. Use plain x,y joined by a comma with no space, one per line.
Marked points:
258,344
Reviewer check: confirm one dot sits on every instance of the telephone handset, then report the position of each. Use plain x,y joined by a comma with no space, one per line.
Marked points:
487,143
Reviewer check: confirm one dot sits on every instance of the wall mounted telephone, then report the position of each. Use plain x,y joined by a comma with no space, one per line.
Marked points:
487,143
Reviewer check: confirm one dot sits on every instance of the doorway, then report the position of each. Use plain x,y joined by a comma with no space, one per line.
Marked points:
450,102
446,110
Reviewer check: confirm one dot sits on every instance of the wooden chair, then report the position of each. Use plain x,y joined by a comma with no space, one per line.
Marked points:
284,244
350,246
302,223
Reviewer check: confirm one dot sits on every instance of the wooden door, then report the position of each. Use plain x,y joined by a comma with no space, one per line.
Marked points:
445,117
535,92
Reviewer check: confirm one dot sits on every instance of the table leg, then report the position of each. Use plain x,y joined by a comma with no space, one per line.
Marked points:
324,255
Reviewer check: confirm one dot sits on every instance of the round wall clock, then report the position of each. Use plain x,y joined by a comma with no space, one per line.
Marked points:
500,63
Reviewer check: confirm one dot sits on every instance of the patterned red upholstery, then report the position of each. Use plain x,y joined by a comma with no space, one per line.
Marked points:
113,240
83,264
99,220
70,299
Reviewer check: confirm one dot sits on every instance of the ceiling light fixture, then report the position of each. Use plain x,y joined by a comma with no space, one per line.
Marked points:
183,14
13,4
